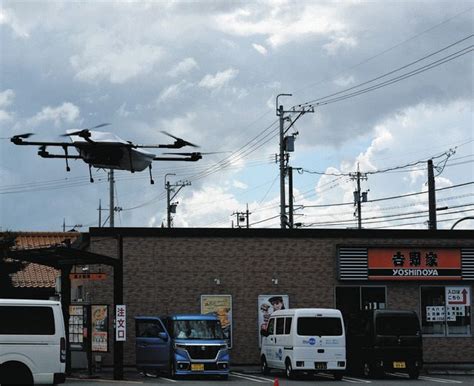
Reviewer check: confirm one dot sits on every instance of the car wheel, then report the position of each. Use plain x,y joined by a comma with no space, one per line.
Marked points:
367,370
290,374
264,366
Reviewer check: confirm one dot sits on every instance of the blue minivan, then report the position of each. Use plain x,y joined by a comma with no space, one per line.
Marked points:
181,345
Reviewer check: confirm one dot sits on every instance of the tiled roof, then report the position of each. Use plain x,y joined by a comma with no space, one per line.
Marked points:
37,275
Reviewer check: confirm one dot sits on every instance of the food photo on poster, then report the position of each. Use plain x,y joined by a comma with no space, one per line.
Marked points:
221,306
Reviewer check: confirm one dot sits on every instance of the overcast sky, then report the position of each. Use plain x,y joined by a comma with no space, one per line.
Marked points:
209,72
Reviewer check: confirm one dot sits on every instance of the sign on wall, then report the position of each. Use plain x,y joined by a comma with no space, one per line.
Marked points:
414,264
458,296
120,323
99,326
221,306
267,304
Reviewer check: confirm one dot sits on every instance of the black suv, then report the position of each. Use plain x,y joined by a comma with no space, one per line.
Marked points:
384,340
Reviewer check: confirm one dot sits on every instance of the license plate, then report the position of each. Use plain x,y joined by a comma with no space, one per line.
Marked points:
399,365
197,367
320,365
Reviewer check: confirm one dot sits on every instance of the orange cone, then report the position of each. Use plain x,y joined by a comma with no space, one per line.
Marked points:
276,383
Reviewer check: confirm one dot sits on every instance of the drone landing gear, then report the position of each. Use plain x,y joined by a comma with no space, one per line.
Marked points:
68,169
151,177
90,173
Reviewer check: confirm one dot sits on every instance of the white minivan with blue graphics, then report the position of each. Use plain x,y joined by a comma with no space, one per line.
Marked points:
304,340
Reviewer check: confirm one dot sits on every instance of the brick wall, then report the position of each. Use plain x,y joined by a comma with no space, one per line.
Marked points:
166,275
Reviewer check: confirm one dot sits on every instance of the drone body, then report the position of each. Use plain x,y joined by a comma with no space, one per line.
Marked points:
105,150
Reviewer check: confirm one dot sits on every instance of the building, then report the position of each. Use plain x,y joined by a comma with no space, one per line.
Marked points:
169,271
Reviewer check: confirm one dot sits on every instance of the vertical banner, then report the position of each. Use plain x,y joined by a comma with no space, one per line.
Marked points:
267,304
100,330
221,306
120,323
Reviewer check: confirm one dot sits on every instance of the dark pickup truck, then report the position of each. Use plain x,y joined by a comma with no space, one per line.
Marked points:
384,340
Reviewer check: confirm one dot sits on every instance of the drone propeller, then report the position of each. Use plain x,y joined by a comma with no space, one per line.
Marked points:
179,141
26,135
85,133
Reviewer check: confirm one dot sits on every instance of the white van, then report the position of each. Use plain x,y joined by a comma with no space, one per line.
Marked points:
32,342
304,340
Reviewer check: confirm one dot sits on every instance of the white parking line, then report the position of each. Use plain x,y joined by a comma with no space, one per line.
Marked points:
425,378
251,378
99,380
168,379
344,379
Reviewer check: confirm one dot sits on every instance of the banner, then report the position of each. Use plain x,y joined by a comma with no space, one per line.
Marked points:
120,323
267,304
221,306
99,325
414,263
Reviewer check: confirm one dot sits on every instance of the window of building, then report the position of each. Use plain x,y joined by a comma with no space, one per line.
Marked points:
445,310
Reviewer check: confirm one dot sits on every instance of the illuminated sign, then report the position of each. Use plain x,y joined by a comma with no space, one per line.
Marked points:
88,276
414,263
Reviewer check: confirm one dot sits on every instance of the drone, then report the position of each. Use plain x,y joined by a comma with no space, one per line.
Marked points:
104,150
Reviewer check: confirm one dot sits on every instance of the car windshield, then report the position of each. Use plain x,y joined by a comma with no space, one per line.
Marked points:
319,326
397,325
197,329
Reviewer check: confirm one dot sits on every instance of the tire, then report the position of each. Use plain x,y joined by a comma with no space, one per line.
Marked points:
338,376
414,373
264,366
290,373
367,370
15,373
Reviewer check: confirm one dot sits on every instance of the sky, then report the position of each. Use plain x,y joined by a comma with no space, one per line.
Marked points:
391,85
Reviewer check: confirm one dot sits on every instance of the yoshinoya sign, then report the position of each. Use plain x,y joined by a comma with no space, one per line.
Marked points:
414,263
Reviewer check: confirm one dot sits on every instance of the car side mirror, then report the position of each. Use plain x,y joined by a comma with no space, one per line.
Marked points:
163,336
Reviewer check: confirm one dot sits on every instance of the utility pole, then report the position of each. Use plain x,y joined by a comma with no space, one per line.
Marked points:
431,197
170,188
284,149
111,198
290,196
241,217
100,213
359,197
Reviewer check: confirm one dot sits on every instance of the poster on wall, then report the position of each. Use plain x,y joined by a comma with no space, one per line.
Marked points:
77,317
99,325
220,305
267,304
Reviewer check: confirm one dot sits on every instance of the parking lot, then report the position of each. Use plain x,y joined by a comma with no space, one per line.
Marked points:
247,378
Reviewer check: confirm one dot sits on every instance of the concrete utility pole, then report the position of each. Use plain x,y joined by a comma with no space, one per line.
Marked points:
431,197
283,154
171,207
242,216
290,197
359,197
111,198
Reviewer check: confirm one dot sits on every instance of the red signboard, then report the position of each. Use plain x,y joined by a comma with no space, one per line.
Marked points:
414,263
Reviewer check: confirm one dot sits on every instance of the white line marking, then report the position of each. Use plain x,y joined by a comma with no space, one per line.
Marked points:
248,378
357,379
425,378
254,376
344,379
168,379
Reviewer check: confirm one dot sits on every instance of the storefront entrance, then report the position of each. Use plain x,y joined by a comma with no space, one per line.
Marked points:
357,298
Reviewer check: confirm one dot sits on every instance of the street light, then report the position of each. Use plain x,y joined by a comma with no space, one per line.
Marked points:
462,219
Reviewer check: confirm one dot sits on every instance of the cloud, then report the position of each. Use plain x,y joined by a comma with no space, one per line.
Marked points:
218,80
344,81
338,43
8,17
260,48
6,99
184,67
239,184
105,56
173,91
67,113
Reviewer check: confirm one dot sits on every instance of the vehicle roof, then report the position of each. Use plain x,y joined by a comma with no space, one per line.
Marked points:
308,312
30,302
181,317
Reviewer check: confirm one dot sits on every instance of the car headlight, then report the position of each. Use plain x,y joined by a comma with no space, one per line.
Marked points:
180,346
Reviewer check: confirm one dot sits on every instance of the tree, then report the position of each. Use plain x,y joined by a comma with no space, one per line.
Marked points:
7,265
